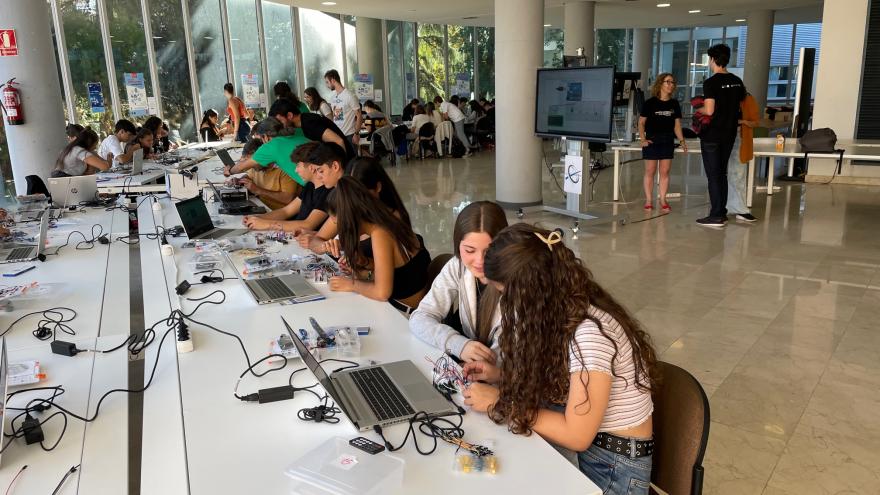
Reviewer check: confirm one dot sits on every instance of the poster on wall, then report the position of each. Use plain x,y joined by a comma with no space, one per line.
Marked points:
96,97
8,43
250,90
137,94
363,87
462,85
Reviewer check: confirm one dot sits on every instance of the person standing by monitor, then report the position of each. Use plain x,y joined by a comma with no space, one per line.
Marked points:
659,126
723,93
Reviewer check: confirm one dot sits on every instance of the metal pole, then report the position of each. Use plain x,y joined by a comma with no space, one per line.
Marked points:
446,60
344,52
297,47
191,58
389,106
227,43
70,96
476,66
151,56
263,55
415,31
109,60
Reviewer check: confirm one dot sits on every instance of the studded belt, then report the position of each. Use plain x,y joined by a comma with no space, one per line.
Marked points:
629,447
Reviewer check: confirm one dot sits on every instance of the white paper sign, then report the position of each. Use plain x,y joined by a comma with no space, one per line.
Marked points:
573,173
136,92
250,90
378,95
153,105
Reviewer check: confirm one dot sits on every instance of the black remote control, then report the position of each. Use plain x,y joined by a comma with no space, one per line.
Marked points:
366,445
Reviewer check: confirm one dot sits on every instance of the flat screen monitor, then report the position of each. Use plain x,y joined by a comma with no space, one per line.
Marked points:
575,103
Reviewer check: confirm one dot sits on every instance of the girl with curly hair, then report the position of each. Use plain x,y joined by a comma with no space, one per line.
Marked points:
576,368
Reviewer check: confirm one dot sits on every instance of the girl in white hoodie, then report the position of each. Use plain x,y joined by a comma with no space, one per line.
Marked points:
460,314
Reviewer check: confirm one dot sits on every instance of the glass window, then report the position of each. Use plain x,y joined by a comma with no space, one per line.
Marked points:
280,53
461,60
409,61
209,54
432,70
486,62
554,44
174,84
85,52
396,98
321,47
610,49
129,49
351,52
245,42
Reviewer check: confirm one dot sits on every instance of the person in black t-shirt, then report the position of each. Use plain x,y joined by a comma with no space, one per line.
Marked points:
314,126
659,125
723,93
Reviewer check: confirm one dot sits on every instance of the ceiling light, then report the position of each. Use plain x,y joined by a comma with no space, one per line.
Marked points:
548,25
328,3
740,20
664,4
694,11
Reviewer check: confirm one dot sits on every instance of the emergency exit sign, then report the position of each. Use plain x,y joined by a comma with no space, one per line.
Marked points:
8,44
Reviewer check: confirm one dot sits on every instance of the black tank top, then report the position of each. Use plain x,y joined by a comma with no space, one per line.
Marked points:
412,276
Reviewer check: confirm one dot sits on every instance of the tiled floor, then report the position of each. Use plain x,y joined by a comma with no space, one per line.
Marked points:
777,320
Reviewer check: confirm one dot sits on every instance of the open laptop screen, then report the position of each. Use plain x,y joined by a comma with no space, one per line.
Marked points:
194,216
311,362
225,158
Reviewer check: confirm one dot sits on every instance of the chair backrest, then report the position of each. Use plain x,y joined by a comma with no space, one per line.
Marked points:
35,185
681,432
426,130
436,266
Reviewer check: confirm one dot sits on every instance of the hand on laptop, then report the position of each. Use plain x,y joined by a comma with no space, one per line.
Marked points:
480,396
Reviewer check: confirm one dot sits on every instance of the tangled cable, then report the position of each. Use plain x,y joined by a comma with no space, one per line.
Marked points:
53,320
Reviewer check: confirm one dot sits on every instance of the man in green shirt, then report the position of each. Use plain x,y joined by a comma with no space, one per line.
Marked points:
279,144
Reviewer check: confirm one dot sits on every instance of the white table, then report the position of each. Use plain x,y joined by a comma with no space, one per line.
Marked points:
226,438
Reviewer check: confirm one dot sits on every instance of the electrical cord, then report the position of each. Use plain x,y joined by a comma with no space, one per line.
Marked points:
14,478
63,479
322,413
433,427
89,243
52,321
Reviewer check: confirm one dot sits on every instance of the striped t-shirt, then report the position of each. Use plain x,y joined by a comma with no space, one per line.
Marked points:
628,406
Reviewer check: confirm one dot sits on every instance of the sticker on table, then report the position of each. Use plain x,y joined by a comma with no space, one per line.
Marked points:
137,94
346,461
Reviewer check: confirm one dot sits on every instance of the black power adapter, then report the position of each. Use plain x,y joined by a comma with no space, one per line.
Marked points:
64,348
274,394
33,432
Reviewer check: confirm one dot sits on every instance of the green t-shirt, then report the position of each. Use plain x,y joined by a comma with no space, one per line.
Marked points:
278,151
303,108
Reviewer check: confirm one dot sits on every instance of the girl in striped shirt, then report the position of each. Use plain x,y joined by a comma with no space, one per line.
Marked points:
576,368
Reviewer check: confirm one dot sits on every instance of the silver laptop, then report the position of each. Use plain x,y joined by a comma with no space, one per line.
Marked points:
15,252
377,395
73,190
292,287
137,162
225,158
4,385
197,221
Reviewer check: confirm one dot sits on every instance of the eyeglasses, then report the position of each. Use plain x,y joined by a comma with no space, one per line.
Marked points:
669,81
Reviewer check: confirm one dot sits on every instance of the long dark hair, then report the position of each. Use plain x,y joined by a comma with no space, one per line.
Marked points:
481,217
369,172
548,293
316,98
206,118
87,139
353,205
283,91
154,124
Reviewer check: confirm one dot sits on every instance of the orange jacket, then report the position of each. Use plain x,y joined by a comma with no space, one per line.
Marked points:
749,109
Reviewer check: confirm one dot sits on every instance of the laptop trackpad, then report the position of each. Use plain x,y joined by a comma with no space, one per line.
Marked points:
419,393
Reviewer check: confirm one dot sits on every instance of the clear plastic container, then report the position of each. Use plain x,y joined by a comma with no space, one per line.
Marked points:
337,468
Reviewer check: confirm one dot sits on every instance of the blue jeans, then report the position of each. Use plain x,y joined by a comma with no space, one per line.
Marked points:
715,156
616,474
737,182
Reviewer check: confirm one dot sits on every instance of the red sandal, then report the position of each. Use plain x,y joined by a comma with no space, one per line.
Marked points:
666,207
648,206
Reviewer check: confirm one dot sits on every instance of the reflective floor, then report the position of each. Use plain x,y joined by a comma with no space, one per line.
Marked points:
776,319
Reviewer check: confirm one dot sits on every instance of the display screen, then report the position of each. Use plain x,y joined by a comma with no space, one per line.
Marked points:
575,103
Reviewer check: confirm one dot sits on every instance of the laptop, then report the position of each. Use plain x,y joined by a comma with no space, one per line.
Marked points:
377,395
15,252
225,158
73,190
197,221
4,385
241,206
137,162
291,287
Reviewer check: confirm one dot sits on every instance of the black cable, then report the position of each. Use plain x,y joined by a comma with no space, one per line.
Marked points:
49,324
63,479
432,427
250,368
90,243
322,413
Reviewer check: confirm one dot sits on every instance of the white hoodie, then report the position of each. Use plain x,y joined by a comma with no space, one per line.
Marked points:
454,288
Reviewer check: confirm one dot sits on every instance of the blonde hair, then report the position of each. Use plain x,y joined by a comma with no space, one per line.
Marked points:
658,83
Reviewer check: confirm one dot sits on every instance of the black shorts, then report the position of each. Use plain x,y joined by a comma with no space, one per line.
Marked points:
661,148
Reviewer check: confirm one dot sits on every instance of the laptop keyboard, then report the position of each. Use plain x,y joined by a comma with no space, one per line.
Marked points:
19,253
275,288
384,398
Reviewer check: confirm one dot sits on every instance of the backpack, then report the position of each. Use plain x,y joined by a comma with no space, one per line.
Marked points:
818,141
458,149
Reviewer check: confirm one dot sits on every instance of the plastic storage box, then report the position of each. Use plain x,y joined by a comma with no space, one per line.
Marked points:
337,468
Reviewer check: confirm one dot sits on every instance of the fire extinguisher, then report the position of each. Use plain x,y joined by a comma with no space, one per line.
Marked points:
10,100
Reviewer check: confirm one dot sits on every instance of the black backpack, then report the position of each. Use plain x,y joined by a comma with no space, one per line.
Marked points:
819,141
458,149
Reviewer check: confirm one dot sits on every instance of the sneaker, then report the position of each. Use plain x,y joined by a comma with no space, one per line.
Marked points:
711,222
746,217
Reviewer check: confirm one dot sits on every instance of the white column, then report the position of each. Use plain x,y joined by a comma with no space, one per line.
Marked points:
519,35
580,29
756,73
369,50
34,145
643,48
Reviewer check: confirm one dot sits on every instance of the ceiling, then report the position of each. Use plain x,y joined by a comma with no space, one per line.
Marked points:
609,13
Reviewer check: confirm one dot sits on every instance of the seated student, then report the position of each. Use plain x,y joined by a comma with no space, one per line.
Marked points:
154,124
369,172
410,110
315,127
111,148
283,91
419,119
577,369
72,131
374,118
279,144
79,158
274,188
460,313
209,130
309,210
317,103
432,112
144,140
393,265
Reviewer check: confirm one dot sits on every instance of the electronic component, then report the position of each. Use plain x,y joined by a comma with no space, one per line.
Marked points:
25,373
324,340
366,445
33,432
64,348
466,462
258,264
